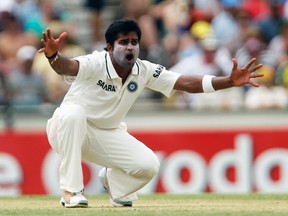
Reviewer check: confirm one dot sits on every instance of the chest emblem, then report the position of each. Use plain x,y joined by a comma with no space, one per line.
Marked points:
132,86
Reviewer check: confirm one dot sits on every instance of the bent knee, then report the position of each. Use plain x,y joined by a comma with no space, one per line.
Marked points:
146,169
73,114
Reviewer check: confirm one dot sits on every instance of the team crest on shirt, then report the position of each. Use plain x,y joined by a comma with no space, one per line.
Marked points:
132,86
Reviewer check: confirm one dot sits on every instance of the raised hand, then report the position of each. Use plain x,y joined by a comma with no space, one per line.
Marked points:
242,76
50,44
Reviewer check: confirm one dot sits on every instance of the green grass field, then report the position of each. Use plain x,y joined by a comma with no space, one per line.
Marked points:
156,205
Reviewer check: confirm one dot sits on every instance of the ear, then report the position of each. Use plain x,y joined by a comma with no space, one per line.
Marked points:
109,47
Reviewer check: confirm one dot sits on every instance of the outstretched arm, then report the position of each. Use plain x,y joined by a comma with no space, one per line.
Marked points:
238,77
61,64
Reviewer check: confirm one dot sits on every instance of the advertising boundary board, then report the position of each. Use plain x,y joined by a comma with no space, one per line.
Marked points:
218,161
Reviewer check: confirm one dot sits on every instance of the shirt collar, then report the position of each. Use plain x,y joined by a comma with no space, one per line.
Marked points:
110,70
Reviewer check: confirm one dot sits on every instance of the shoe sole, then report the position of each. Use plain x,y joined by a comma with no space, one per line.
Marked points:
78,205
121,204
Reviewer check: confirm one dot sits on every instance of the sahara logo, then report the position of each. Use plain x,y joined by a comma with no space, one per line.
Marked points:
158,71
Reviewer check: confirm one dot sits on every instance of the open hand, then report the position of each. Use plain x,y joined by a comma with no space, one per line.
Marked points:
242,76
51,45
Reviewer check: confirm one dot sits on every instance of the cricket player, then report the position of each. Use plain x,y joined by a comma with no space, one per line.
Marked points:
104,85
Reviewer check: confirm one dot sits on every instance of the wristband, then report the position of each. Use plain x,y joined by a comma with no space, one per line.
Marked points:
207,84
53,56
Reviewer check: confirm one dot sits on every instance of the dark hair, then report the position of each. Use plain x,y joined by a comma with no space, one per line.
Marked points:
121,26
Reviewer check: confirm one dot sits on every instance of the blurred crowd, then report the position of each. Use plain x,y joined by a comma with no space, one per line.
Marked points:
186,36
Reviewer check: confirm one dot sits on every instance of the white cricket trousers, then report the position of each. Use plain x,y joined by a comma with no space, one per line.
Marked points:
131,164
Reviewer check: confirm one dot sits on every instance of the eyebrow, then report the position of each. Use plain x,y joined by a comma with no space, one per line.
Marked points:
123,39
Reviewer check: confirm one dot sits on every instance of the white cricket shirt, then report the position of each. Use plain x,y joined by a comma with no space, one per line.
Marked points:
99,90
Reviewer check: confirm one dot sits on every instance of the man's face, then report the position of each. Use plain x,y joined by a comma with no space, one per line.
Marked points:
126,50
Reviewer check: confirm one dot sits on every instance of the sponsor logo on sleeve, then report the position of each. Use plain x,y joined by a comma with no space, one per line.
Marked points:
158,71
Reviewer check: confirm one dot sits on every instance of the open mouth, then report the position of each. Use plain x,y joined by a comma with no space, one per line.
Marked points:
129,57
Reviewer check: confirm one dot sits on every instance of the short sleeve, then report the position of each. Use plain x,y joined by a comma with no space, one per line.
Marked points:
162,80
88,64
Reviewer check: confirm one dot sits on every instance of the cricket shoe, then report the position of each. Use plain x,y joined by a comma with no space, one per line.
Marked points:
77,201
103,180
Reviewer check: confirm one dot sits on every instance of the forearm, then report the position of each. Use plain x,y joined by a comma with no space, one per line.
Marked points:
63,65
193,84
224,82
